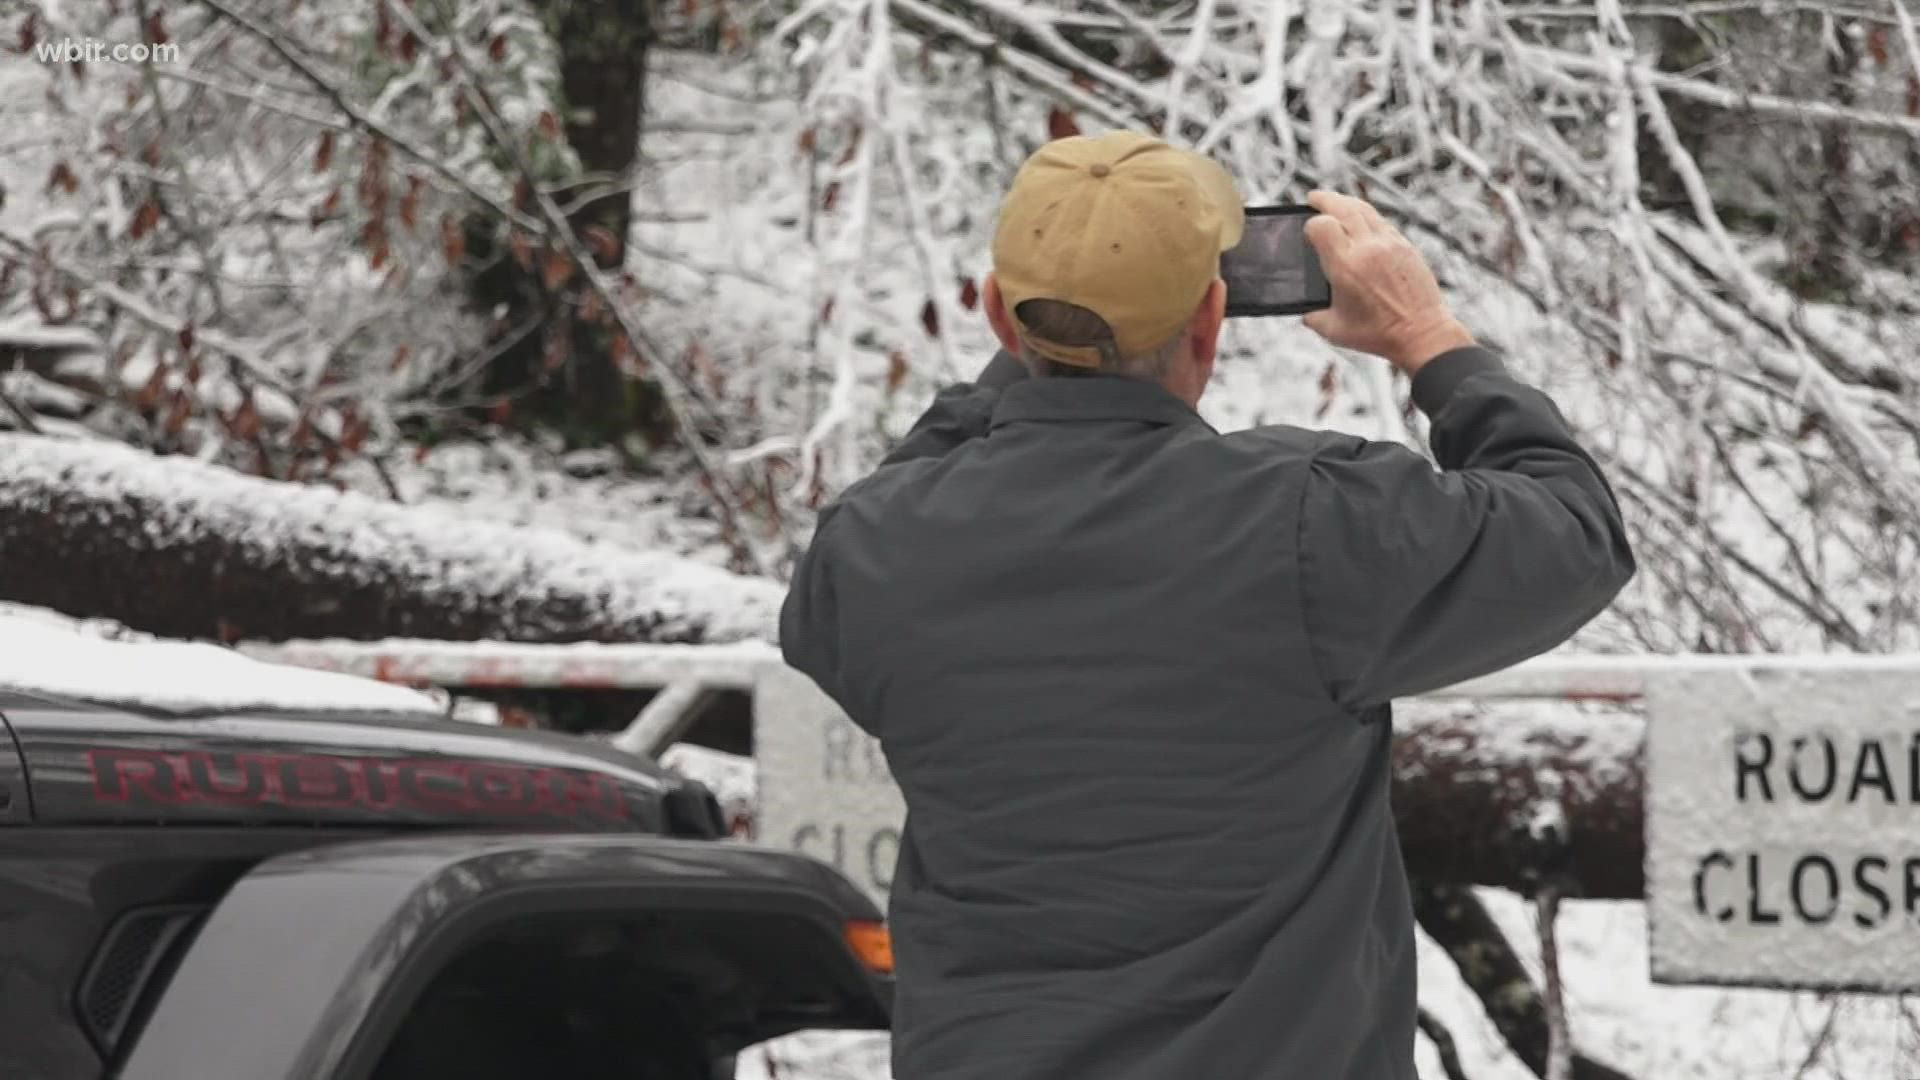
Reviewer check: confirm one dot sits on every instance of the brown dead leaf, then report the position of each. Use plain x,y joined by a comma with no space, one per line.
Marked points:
144,220
410,203
353,431
1329,386
246,421
179,414
453,240
556,269
372,185
604,245
328,209
62,178
373,237
1877,45
854,135
148,399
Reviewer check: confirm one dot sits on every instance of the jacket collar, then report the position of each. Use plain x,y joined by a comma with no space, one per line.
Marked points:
1092,397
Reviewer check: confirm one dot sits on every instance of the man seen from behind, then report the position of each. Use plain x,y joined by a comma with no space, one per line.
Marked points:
1133,674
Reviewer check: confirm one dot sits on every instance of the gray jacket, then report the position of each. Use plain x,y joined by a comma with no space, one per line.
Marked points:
1132,676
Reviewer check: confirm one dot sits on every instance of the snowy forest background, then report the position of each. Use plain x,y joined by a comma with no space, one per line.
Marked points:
553,320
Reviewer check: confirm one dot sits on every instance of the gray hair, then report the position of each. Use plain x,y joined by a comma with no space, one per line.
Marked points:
1071,324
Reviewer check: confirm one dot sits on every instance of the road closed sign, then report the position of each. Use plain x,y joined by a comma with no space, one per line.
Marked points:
1783,827
824,787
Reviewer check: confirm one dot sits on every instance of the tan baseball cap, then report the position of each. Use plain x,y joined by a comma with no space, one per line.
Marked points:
1121,224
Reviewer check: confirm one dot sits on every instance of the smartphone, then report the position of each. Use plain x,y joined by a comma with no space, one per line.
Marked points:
1273,270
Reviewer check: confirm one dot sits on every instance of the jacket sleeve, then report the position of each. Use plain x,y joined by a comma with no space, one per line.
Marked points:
809,618
958,413
1415,579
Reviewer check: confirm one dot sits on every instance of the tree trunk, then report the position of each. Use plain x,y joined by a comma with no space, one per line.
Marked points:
1456,920
565,377
174,547
1827,274
1468,796
1681,48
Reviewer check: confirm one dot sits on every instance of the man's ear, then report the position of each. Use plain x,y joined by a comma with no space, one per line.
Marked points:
999,318
1203,330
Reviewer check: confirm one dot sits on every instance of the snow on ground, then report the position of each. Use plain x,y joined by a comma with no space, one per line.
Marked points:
41,653
1709,1033
818,1055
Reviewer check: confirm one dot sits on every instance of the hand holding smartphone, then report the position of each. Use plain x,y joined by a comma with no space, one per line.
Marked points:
1273,270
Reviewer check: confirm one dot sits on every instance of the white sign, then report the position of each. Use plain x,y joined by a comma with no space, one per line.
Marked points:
824,786
1783,827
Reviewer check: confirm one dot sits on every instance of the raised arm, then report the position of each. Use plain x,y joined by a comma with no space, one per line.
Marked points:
1417,578
1414,578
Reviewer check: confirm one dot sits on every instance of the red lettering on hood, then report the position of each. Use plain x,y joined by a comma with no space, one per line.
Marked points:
429,786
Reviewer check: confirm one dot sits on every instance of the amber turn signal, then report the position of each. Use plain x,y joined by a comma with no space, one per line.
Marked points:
872,944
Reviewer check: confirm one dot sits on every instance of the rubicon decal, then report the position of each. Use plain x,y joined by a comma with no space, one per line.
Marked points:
326,781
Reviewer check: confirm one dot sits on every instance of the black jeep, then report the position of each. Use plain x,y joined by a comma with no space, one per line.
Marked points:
277,895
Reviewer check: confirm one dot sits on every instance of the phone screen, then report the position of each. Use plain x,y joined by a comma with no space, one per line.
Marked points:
1273,270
